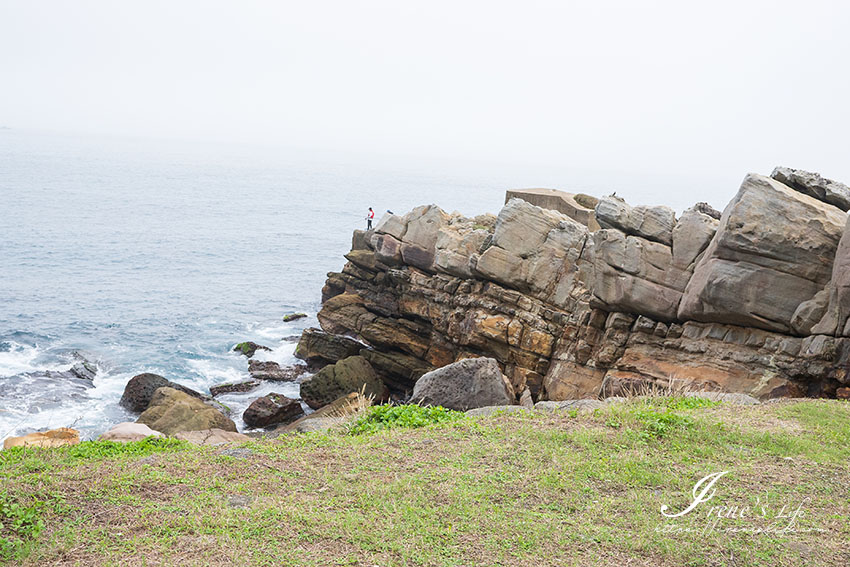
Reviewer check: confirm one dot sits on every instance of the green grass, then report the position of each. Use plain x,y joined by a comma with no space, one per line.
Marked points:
401,416
414,489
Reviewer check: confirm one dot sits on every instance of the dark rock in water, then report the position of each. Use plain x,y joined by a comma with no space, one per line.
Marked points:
84,370
141,388
272,410
267,370
248,348
172,411
318,347
351,374
293,317
464,385
232,387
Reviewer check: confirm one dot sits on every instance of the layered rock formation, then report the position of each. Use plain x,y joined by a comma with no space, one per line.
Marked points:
756,301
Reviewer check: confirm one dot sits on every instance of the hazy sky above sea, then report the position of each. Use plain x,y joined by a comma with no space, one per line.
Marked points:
663,101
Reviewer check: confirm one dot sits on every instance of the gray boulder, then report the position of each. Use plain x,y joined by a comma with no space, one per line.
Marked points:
764,262
463,385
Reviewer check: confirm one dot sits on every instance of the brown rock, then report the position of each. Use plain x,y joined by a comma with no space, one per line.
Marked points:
45,439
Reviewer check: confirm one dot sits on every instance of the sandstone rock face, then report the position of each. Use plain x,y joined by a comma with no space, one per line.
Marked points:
755,303
318,347
463,385
45,439
172,411
764,262
348,375
272,410
835,319
140,390
129,431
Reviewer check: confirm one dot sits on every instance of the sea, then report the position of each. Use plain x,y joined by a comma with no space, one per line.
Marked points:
143,255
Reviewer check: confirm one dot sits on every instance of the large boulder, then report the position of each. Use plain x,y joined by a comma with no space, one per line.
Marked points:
140,390
172,411
45,439
812,184
637,275
773,250
534,250
463,385
351,374
319,347
129,431
418,245
272,409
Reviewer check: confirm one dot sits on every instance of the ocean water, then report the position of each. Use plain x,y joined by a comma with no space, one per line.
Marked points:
150,256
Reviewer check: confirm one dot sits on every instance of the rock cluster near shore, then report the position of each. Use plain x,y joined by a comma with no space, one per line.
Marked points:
753,301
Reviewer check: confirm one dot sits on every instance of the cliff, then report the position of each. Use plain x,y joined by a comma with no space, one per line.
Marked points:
582,302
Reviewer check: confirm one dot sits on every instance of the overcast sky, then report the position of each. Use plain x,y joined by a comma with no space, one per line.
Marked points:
694,94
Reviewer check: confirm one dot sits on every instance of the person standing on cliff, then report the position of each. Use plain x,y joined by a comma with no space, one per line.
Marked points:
370,216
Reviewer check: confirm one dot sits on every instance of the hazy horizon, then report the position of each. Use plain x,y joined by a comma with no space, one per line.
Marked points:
662,102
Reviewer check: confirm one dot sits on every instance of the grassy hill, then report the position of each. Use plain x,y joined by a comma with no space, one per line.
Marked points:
527,488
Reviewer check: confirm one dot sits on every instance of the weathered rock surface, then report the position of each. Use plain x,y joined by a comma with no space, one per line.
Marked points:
754,303
318,347
129,431
272,409
812,184
463,385
293,317
652,223
272,371
141,388
351,374
835,320
45,439
172,411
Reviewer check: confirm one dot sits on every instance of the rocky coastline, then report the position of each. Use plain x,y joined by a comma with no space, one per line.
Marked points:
559,300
